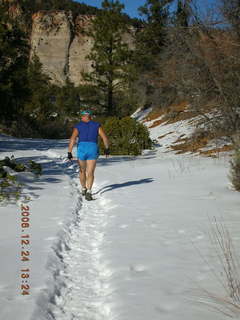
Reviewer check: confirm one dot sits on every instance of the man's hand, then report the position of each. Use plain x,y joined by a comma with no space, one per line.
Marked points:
70,156
107,152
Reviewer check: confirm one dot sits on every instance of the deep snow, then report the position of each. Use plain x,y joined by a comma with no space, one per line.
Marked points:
139,251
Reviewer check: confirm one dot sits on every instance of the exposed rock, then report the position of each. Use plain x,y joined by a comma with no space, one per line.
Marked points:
62,45
59,40
79,49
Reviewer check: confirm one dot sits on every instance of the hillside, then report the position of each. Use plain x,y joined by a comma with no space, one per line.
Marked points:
180,130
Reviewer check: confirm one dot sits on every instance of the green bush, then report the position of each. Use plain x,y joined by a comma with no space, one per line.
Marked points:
127,136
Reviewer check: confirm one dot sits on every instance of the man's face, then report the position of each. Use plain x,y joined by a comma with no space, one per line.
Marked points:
86,117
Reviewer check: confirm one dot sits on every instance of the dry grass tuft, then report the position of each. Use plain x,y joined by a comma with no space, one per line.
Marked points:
229,277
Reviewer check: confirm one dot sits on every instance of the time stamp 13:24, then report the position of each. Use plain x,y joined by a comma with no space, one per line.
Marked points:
25,253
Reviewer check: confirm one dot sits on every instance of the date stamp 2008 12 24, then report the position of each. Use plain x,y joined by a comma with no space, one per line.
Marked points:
25,252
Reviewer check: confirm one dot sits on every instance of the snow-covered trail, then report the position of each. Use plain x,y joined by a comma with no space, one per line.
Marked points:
133,253
130,254
82,283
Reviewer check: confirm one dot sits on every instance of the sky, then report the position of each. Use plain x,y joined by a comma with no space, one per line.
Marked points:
131,6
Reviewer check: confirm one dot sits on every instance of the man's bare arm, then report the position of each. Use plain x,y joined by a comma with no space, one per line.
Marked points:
104,137
72,139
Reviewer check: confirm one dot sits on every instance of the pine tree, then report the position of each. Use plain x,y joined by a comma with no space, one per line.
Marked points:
183,13
68,100
14,52
231,11
112,59
152,36
39,104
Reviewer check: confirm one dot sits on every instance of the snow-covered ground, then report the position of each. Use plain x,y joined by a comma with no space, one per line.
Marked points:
140,251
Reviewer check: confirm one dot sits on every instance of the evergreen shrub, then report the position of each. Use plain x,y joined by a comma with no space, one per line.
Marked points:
126,135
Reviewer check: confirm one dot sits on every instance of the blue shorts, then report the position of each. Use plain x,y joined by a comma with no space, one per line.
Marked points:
87,150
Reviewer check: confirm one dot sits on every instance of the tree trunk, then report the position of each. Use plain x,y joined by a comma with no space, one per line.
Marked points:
110,100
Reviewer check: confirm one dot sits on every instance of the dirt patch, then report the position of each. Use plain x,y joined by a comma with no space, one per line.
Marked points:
183,144
157,123
181,139
164,135
212,152
195,145
159,112
189,145
181,116
172,114
179,112
154,115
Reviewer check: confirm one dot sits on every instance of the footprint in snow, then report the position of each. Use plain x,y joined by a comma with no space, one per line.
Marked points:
138,268
181,231
123,226
50,238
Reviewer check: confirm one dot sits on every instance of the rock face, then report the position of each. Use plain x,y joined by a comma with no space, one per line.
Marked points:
80,47
60,42
61,45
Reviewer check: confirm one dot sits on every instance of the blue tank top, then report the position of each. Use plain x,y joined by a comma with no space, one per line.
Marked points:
87,131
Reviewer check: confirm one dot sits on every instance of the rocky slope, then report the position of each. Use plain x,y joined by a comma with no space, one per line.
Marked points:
179,129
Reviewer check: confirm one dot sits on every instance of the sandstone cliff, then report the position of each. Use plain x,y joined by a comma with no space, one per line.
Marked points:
59,40
61,45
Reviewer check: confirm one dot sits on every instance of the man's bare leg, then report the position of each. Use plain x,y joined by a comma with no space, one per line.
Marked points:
82,172
91,165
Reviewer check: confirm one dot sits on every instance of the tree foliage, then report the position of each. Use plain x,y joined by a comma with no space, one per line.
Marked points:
231,12
14,51
156,19
183,13
32,6
112,59
38,104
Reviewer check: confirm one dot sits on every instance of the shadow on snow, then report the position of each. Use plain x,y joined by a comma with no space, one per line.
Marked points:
124,184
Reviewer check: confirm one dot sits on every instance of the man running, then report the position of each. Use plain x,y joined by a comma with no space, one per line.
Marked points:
87,132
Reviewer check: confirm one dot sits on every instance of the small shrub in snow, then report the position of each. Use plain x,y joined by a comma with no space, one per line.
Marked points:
35,167
10,187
